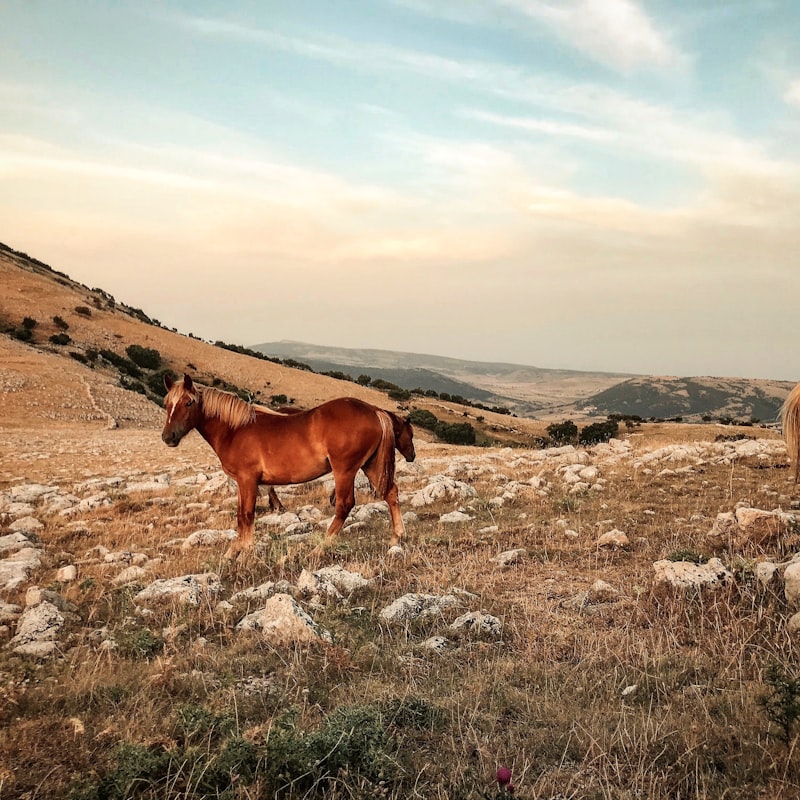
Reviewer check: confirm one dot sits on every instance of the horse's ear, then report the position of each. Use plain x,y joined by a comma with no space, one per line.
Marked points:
168,381
187,383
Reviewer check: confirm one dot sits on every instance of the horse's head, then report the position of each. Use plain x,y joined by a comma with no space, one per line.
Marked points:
404,439
183,409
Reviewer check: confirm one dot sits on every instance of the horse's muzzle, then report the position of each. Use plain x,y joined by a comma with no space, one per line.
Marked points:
171,438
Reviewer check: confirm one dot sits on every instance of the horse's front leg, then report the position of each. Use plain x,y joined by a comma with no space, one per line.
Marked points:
245,518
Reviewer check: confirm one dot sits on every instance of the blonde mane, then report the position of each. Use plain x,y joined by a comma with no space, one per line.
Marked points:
226,407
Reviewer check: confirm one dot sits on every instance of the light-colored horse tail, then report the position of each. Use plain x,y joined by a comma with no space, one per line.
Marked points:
385,454
790,422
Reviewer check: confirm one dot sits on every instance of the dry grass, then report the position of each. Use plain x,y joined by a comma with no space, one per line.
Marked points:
164,713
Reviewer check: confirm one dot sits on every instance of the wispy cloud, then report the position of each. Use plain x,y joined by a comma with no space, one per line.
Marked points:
616,33
792,93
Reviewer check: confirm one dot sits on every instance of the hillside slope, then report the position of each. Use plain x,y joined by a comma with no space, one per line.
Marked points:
94,323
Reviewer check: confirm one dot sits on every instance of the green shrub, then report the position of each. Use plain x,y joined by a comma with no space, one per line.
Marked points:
423,418
60,338
782,704
84,311
22,334
599,432
565,432
155,382
60,323
146,357
455,433
124,365
29,323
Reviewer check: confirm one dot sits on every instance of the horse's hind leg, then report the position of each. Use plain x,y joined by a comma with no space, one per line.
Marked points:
391,497
274,501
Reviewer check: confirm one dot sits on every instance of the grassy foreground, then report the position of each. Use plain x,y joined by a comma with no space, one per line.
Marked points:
639,698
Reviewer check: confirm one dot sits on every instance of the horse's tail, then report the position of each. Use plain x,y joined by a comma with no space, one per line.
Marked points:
385,453
790,422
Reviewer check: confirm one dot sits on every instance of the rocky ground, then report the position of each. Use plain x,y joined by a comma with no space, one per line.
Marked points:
108,534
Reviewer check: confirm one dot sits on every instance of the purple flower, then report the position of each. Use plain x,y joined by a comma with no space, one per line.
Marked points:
504,776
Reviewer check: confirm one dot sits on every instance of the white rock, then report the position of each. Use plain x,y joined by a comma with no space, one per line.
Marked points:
602,592
455,517
186,590
688,577
417,606
67,574
38,623
477,622
27,524
282,621
207,537
508,557
613,539
15,569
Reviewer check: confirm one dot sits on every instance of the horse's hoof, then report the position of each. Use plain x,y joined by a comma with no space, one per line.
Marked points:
395,551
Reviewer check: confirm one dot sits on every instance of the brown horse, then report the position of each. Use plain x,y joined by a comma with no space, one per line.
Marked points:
340,436
403,441
790,421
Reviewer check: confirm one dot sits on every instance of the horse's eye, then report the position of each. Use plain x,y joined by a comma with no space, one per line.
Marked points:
189,403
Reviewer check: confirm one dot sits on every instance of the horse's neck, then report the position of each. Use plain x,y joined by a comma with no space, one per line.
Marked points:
215,432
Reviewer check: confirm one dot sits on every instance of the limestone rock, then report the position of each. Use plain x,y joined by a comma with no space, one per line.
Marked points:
417,606
186,590
282,621
686,577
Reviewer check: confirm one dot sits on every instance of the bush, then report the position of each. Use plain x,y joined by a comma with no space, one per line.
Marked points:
599,432
145,357
22,334
423,418
155,382
563,432
124,365
60,338
61,324
83,311
455,433
29,323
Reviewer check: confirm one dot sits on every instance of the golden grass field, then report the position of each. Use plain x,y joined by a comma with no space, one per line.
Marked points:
635,695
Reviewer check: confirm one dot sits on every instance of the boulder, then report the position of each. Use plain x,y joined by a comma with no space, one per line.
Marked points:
686,577
282,621
187,590
414,606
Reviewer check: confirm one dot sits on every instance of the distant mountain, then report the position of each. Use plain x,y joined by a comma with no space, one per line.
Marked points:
525,389
737,398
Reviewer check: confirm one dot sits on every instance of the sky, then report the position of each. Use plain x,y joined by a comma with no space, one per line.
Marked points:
602,185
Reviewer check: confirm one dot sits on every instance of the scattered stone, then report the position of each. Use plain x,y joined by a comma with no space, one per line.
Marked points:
686,577
187,590
15,569
614,540
25,525
455,516
37,630
793,625
417,606
436,644
260,592
282,621
442,487
67,574
207,537
791,579
602,592
9,612
130,574
477,622
508,557
13,542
